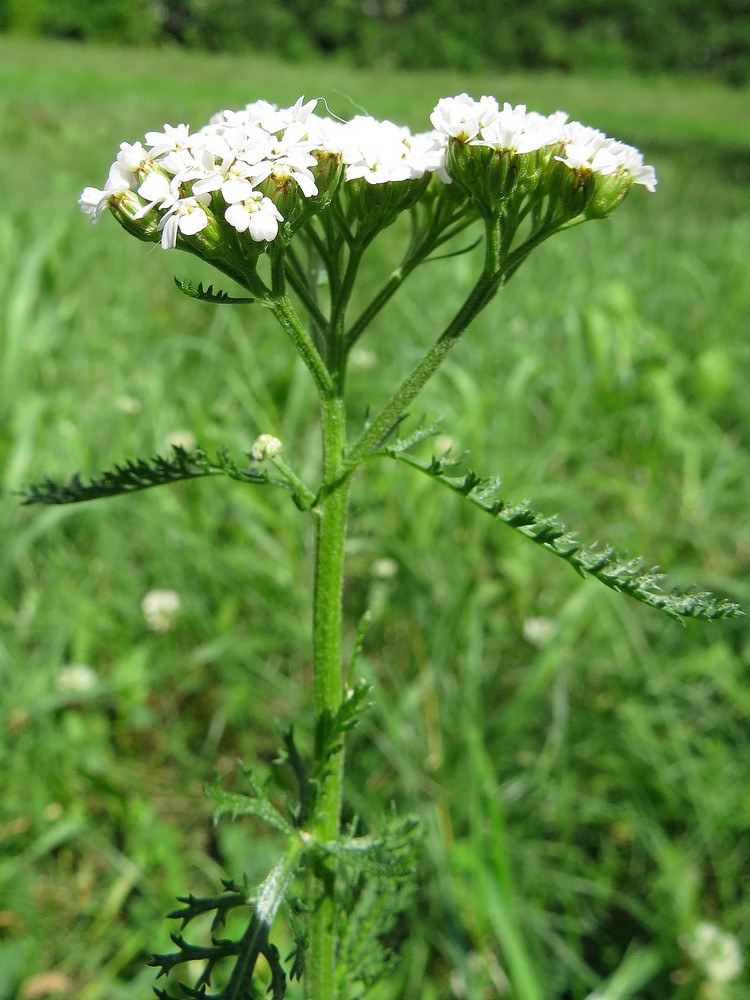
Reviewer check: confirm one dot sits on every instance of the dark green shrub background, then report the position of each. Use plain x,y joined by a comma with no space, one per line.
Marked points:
644,36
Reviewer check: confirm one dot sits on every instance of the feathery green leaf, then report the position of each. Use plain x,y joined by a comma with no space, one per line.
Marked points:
142,474
209,295
628,576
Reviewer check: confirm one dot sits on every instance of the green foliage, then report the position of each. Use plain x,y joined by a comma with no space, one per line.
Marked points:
603,747
376,888
572,35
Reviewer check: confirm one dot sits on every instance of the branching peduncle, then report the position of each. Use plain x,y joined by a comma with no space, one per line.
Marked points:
393,411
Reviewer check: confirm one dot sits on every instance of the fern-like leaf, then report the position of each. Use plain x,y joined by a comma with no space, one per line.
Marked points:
255,803
243,952
331,726
376,886
208,294
142,474
628,576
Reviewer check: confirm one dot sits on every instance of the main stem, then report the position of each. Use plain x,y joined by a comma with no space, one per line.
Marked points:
330,532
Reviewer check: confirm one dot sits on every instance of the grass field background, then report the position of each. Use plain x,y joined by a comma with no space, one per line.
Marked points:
579,763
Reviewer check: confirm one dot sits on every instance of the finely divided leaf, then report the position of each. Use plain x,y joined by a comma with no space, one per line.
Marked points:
141,474
217,297
629,576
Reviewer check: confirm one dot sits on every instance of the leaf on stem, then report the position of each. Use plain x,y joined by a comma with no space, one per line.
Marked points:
375,887
141,474
331,727
253,803
217,297
243,951
628,576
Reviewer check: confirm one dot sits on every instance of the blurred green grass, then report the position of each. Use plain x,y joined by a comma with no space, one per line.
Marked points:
517,707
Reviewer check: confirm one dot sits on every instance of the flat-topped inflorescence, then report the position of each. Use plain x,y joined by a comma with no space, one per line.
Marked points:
251,176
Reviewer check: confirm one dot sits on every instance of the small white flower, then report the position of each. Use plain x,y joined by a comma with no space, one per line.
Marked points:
186,216
717,952
462,117
160,609
377,151
128,404
384,568
133,156
158,188
538,631
75,678
95,201
520,130
265,446
255,214
173,138
589,148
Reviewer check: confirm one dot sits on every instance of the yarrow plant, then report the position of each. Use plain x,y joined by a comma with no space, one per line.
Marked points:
286,202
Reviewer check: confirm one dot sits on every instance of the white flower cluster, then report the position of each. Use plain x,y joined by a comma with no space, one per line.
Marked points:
160,609
717,952
233,172
178,171
484,123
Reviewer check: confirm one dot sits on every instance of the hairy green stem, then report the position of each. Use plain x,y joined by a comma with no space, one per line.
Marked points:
320,977
288,319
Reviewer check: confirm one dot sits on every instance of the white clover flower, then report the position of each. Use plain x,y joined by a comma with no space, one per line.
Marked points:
384,568
265,446
160,608
75,678
538,631
715,951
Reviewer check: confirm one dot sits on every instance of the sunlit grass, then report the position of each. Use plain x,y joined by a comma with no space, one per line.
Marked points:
518,708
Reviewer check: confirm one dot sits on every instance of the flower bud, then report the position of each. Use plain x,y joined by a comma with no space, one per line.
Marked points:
265,446
486,175
378,205
126,208
570,190
608,191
